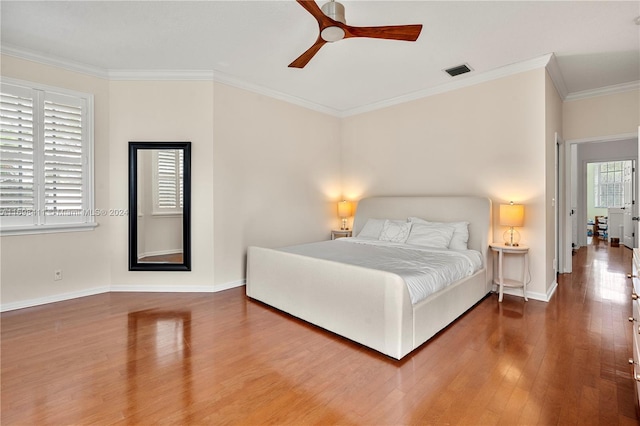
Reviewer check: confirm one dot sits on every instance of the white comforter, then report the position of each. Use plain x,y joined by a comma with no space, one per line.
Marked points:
424,270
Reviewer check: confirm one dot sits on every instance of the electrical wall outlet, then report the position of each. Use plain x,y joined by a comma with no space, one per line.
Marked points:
57,275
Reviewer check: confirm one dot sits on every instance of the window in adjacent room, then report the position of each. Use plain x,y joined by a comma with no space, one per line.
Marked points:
46,161
608,184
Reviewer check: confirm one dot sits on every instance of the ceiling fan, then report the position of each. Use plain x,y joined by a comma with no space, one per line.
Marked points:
333,27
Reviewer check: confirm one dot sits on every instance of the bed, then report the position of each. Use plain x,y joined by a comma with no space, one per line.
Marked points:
371,306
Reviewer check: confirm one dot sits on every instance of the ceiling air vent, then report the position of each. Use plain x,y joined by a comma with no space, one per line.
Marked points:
460,69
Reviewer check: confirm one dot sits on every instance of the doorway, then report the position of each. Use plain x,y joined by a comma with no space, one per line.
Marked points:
578,153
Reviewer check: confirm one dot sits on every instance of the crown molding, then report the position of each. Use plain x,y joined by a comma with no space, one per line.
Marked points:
164,75
549,61
229,80
602,91
53,61
556,76
539,62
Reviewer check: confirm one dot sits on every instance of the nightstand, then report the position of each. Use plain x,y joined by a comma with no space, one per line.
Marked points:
340,233
501,249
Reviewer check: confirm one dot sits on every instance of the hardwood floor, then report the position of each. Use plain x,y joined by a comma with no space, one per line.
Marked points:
132,358
162,258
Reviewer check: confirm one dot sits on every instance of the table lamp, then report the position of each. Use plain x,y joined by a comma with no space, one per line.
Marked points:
344,212
511,215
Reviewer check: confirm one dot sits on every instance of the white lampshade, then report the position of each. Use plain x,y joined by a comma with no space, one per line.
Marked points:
344,212
511,214
344,209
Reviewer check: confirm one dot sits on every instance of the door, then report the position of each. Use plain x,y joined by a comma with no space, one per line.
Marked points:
570,205
629,205
558,258
572,191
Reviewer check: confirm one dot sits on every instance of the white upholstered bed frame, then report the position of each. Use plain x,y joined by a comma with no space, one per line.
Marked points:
369,306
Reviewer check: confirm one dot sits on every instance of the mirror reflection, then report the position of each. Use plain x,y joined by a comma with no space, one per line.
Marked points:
158,352
159,206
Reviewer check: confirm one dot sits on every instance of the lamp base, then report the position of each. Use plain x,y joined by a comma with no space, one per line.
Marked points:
344,226
511,238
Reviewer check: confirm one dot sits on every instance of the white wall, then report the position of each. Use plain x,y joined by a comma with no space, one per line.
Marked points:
263,172
276,170
163,111
486,140
602,116
553,126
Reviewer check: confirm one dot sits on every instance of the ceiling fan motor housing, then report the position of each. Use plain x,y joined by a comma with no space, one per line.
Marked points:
335,11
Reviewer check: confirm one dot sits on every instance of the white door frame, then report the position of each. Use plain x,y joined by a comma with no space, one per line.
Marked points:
560,199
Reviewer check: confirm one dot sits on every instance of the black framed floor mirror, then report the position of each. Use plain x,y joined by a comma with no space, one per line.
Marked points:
159,206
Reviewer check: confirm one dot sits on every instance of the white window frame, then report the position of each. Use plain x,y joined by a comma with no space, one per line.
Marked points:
35,221
177,209
602,189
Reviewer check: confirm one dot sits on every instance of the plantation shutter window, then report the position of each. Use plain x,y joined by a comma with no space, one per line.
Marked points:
64,165
17,187
45,159
168,181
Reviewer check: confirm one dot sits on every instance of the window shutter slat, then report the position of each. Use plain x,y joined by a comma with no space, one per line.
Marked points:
17,190
63,157
167,181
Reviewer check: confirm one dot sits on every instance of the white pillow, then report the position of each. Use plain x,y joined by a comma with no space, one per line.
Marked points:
372,229
395,231
460,234
431,235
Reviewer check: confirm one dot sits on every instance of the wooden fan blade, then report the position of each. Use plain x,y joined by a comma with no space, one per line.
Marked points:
393,32
313,8
308,54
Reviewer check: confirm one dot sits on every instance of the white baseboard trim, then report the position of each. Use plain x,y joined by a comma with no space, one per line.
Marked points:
12,306
552,290
232,284
544,297
124,288
132,288
177,289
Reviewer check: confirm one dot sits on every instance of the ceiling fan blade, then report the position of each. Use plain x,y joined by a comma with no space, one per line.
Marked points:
304,59
312,7
392,32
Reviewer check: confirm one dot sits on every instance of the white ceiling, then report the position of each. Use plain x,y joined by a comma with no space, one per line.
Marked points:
596,43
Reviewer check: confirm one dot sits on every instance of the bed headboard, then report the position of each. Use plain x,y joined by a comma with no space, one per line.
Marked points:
475,210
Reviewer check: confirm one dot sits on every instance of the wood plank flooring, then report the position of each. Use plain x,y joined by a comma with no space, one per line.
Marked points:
162,258
132,358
